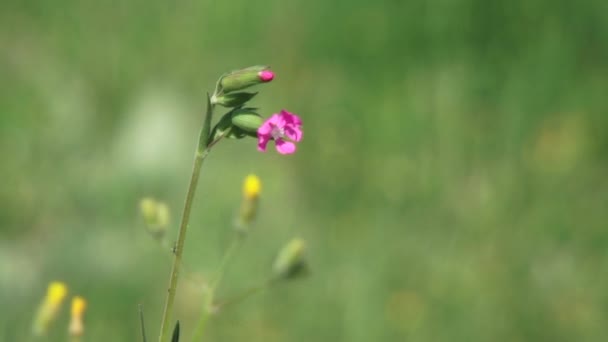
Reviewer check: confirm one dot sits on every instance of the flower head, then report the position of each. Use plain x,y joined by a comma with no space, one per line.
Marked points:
280,127
49,308
252,186
76,327
56,293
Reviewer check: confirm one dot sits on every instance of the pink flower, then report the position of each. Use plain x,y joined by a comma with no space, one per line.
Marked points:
277,128
266,75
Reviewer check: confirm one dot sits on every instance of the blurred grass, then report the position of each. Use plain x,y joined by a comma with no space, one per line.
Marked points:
451,183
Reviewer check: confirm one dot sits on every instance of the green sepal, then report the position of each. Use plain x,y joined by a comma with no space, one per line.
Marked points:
236,133
234,99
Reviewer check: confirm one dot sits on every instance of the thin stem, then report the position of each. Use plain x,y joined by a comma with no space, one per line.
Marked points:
164,245
208,306
201,153
205,314
245,294
236,242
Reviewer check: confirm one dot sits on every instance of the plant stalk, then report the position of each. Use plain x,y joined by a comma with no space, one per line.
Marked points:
208,302
201,153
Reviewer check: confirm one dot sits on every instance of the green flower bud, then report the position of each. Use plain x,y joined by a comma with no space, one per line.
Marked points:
245,78
247,120
290,261
233,99
156,216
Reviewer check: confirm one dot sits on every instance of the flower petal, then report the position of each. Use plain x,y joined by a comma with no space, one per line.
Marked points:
291,118
293,132
262,142
285,147
265,129
278,120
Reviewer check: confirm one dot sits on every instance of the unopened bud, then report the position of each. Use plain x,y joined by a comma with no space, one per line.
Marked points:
76,327
252,186
245,78
156,216
50,306
247,120
291,261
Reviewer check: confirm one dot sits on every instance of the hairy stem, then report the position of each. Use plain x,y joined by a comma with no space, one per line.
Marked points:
201,153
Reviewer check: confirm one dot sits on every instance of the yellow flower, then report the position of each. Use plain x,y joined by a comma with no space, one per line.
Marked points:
56,292
252,187
78,306
49,307
76,327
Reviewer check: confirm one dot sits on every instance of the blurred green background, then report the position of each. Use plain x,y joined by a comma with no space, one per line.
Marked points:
452,182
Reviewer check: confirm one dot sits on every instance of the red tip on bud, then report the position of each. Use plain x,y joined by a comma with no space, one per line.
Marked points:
266,75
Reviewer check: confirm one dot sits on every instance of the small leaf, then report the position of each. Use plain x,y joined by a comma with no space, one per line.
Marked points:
141,319
175,337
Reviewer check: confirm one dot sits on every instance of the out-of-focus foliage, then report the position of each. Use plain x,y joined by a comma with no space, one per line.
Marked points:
451,184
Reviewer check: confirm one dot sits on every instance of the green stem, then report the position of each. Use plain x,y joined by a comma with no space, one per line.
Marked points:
245,294
201,153
236,242
205,314
208,307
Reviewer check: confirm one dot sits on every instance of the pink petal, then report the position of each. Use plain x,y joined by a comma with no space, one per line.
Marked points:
278,120
262,142
291,118
266,128
293,133
285,147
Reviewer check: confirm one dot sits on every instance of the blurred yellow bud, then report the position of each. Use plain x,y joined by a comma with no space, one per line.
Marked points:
252,186
56,292
78,306
48,309
76,327
290,261
156,215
